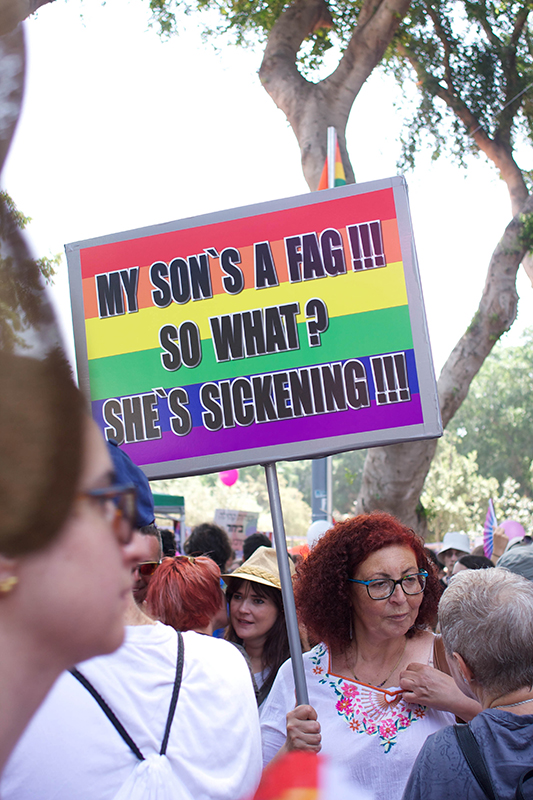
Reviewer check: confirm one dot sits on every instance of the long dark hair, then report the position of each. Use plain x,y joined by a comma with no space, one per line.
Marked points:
276,648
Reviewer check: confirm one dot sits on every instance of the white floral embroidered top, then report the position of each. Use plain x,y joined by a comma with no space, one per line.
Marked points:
374,732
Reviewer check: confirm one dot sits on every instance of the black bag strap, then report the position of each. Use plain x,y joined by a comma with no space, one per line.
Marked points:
108,712
525,776
475,760
175,694
118,724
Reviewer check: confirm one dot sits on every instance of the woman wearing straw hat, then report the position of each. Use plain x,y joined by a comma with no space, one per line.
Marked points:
257,619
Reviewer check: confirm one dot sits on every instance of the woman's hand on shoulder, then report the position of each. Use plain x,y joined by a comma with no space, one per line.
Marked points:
303,729
428,686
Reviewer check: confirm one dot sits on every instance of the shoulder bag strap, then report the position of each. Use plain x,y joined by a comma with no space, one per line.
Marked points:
108,712
525,776
440,661
474,758
175,694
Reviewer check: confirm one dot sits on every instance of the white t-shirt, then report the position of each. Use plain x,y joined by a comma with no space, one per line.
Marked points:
71,751
372,732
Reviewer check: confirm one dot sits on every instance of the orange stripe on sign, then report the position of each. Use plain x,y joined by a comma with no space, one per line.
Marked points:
391,245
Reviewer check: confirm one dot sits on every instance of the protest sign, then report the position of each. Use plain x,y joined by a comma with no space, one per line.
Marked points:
291,329
238,524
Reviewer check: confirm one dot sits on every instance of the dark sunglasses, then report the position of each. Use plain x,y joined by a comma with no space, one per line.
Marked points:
147,568
118,506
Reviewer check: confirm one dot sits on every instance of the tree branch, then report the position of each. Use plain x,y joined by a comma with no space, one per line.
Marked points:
478,10
394,476
495,315
311,108
496,152
367,46
441,33
14,11
520,21
278,72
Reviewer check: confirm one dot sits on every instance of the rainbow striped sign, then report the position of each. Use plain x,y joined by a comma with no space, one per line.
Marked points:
287,330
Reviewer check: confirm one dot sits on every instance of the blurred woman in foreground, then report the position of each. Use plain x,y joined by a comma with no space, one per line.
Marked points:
65,601
486,619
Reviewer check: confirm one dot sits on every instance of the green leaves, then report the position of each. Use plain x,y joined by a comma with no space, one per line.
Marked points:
496,418
250,21
473,67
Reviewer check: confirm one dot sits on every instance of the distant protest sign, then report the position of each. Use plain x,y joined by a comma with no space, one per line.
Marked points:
238,524
291,329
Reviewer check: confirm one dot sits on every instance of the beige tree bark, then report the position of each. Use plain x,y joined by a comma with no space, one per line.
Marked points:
14,11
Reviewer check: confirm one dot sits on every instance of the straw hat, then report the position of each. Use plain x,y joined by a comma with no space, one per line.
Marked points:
261,567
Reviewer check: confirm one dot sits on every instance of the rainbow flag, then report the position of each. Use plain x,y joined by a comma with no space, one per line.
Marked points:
334,153
301,775
488,530
293,777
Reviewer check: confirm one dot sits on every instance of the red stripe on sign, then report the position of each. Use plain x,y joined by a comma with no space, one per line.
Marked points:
273,226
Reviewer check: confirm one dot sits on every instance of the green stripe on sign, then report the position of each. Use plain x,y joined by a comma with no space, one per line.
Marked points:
354,336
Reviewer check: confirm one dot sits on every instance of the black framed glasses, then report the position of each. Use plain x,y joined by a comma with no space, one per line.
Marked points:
119,507
382,588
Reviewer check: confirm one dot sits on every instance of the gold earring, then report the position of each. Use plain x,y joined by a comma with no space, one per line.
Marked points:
8,583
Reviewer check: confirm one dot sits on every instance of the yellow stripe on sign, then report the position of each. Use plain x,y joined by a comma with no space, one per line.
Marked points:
352,293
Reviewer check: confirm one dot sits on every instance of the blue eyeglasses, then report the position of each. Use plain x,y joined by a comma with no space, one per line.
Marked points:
382,588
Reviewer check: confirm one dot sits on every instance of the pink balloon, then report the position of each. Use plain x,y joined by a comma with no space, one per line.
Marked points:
512,528
229,476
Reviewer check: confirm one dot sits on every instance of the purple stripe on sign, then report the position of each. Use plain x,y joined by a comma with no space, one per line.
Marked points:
201,442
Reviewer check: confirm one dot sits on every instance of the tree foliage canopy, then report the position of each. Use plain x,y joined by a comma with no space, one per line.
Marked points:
21,306
474,68
496,419
250,21
456,494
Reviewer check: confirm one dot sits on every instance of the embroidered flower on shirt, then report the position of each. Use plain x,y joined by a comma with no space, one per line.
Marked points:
387,729
344,705
350,690
366,709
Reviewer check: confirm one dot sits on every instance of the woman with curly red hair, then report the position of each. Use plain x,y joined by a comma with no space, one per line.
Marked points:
185,593
368,593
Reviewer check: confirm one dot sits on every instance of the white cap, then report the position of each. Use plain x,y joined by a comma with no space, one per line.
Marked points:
455,540
316,531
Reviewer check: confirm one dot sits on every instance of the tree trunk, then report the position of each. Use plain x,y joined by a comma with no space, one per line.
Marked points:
14,11
312,107
12,71
394,476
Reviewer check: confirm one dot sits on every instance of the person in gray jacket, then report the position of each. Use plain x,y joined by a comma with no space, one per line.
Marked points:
486,618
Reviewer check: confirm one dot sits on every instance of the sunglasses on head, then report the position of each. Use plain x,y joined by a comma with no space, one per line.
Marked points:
147,568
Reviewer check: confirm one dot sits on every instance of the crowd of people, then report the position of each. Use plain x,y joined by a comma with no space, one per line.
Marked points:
175,711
